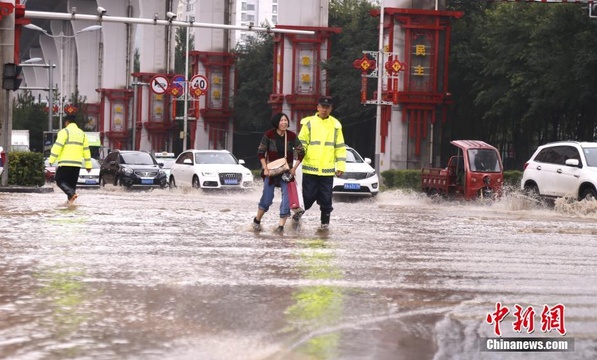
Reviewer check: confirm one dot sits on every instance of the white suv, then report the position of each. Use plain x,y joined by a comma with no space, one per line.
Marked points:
565,168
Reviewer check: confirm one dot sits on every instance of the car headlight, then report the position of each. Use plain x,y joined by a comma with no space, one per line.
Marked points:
371,174
127,171
208,173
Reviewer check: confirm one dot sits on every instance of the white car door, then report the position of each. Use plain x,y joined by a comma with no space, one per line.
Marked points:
567,177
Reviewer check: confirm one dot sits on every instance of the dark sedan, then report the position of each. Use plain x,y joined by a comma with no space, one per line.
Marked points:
132,169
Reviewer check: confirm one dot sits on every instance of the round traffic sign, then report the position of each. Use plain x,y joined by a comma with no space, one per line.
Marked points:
199,82
158,84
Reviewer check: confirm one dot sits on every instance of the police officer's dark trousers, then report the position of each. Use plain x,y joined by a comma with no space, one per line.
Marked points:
66,179
318,188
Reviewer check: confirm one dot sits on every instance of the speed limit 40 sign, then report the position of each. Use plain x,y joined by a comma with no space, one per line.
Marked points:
199,82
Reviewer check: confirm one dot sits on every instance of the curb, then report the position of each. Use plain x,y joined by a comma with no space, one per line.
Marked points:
26,189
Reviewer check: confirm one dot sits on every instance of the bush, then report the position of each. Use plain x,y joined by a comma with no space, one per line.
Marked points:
512,178
403,179
25,168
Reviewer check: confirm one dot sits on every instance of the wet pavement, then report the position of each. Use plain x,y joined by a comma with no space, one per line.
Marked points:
179,274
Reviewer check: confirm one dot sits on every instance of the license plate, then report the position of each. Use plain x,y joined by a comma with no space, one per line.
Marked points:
230,182
91,182
352,187
147,181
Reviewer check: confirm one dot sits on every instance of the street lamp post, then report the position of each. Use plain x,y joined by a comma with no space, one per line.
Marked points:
66,38
186,92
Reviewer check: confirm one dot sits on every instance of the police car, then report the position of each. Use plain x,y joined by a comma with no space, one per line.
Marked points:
165,159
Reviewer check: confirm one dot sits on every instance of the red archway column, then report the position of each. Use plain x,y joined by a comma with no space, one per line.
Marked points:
426,52
305,83
114,106
217,111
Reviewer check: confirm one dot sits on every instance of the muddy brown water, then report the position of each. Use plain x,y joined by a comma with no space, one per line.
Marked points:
177,274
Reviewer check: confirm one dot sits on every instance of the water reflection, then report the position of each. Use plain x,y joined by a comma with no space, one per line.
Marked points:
318,309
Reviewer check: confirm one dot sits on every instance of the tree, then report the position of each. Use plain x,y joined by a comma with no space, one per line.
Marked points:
29,114
523,75
359,33
254,72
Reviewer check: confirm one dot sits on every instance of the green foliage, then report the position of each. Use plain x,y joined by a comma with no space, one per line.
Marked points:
180,50
359,32
512,178
403,179
26,168
254,69
30,115
137,61
522,75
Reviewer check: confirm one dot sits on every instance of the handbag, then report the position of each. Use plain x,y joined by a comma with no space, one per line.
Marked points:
279,166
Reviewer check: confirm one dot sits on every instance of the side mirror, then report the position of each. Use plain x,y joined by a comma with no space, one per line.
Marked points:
187,161
368,161
241,161
573,162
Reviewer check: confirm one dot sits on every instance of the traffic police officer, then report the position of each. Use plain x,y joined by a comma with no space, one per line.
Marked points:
325,156
70,149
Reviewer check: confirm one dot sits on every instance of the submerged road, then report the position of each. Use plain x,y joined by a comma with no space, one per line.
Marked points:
175,274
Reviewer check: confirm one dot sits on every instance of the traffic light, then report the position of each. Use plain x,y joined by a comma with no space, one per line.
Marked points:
592,9
11,76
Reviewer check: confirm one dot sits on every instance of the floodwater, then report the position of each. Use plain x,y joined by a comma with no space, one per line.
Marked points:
179,274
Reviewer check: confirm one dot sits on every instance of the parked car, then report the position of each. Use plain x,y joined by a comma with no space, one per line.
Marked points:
132,168
565,168
210,169
359,179
89,179
165,160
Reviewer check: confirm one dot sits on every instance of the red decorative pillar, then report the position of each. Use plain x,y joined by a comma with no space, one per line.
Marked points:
306,83
218,69
92,115
153,112
114,106
426,51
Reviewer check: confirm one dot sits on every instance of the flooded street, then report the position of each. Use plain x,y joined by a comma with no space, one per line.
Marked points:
175,274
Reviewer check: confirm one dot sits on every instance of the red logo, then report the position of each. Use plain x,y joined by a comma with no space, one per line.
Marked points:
552,318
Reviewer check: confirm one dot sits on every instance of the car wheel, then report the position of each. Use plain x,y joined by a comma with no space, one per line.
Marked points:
122,183
532,191
589,194
196,184
172,182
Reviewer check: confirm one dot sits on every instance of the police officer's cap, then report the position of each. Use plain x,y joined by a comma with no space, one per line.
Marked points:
326,101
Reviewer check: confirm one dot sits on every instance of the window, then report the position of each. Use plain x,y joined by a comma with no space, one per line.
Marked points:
557,154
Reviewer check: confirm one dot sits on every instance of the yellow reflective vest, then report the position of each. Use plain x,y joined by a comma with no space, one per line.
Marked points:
71,148
323,141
